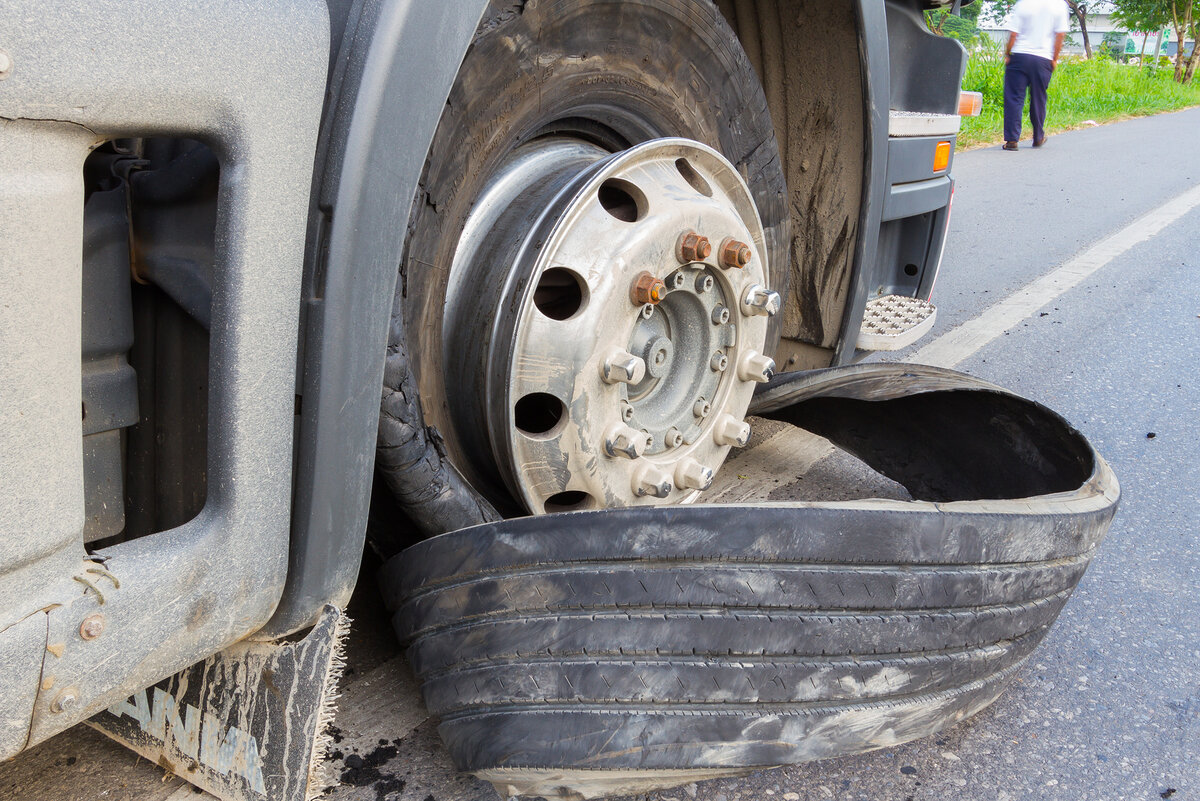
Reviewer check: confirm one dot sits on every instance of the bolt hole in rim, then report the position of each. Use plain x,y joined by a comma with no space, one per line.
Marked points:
560,293
622,200
539,415
694,179
541,376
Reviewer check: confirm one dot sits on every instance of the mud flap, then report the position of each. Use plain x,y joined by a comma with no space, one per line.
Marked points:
602,652
246,724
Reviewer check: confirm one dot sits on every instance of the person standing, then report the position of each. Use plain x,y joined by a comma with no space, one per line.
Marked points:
1037,29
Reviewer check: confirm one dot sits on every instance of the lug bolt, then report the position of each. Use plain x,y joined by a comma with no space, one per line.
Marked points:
720,315
731,431
626,410
622,367
91,627
701,408
690,474
692,247
718,362
647,289
704,283
760,300
677,279
647,311
621,440
650,480
65,701
756,367
673,438
735,254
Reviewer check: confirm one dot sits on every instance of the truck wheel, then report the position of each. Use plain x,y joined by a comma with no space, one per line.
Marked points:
554,101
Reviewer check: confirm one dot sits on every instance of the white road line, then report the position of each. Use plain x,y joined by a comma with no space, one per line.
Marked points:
959,343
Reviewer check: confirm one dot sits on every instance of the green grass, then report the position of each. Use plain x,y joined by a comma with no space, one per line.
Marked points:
1099,89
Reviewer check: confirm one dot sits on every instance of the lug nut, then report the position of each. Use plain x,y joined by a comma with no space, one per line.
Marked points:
704,283
720,315
690,474
621,440
650,480
735,254
622,367
756,367
692,247
718,362
91,627
626,410
701,408
731,431
673,438
65,701
647,289
760,300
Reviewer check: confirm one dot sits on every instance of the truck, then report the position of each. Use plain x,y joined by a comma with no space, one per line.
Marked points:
520,270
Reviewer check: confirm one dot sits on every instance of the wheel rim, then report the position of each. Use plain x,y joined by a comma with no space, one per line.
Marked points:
592,356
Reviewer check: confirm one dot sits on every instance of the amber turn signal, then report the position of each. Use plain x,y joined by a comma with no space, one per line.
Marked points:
970,104
941,156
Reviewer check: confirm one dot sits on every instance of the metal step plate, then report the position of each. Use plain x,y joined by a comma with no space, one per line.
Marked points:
893,322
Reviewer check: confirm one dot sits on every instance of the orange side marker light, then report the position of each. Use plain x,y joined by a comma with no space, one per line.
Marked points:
941,156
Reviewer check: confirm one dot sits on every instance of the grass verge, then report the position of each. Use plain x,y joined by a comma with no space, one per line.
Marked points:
1099,90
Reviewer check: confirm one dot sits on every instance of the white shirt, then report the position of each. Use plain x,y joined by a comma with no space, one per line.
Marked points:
1036,22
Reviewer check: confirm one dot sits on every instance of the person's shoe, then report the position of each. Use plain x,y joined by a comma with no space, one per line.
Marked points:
1040,142
1010,145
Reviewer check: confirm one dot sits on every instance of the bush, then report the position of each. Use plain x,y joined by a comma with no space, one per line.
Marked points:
1099,89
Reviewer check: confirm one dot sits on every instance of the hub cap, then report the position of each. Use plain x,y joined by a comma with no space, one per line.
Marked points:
606,318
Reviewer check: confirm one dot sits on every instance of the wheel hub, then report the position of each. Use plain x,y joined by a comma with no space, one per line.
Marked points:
605,324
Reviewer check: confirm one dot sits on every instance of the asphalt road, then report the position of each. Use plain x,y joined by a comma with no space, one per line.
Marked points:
1109,707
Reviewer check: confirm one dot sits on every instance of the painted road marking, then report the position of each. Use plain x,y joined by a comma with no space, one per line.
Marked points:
965,340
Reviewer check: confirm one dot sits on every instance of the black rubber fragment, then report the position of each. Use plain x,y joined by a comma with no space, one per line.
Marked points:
697,637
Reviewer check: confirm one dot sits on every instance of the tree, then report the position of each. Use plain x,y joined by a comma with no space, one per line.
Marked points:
1185,19
1182,15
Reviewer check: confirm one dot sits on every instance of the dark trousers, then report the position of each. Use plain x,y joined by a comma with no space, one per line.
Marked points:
1032,73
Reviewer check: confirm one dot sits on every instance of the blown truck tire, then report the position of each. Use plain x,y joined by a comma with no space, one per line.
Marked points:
602,652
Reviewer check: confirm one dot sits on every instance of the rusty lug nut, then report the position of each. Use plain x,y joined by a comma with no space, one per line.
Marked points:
701,408
731,431
626,442
692,247
690,474
91,627
65,701
650,480
719,362
622,367
753,366
720,315
673,438
704,283
760,300
734,253
647,289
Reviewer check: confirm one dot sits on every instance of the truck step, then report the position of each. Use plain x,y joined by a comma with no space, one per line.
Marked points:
893,322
